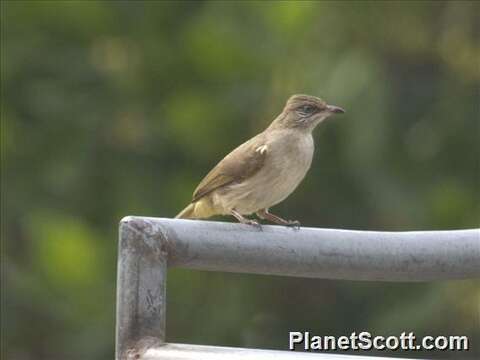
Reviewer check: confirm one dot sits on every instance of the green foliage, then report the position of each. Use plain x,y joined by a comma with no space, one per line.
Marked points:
111,108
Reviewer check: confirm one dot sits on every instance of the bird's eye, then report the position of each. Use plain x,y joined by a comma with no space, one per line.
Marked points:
306,110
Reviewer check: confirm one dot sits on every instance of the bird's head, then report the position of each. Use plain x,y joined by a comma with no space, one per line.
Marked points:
305,112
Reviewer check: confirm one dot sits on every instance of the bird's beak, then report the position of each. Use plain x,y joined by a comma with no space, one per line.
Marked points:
335,109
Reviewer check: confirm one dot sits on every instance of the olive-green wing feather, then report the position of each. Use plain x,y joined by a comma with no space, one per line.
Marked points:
240,164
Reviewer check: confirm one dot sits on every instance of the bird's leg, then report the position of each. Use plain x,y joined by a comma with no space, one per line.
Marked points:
264,214
243,219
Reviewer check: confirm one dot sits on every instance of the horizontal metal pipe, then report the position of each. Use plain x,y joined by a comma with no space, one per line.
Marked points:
313,252
201,352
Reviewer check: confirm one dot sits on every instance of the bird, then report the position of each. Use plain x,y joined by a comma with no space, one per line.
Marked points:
264,170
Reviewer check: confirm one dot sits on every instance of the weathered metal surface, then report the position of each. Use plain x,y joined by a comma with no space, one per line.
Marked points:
318,253
148,245
141,283
201,352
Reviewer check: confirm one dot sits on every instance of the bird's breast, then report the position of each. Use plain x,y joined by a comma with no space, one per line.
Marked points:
290,161
289,157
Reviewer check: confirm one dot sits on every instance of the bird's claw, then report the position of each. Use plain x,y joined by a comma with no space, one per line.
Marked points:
253,223
294,223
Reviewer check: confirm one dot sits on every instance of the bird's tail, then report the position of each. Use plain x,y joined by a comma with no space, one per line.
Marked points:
198,210
187,213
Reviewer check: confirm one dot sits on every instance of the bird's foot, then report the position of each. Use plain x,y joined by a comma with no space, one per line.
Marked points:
265,214
245,220
253,223
294,224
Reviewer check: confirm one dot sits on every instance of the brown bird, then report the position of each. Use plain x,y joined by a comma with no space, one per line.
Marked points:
263,171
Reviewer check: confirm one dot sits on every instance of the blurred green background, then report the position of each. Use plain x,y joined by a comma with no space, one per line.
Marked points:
114,108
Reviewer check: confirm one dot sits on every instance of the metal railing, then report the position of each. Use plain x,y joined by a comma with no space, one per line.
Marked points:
147,246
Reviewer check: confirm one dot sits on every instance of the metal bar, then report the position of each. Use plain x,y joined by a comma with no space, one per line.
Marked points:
201,352
147,244
141,284
316,253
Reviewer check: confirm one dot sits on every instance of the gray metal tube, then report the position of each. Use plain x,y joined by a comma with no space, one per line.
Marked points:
148,245
141,284
315,253
201,352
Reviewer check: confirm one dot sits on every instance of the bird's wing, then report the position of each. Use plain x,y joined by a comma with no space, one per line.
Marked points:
240,164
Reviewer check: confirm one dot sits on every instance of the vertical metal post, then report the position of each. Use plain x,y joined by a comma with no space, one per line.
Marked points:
141,283
147,244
